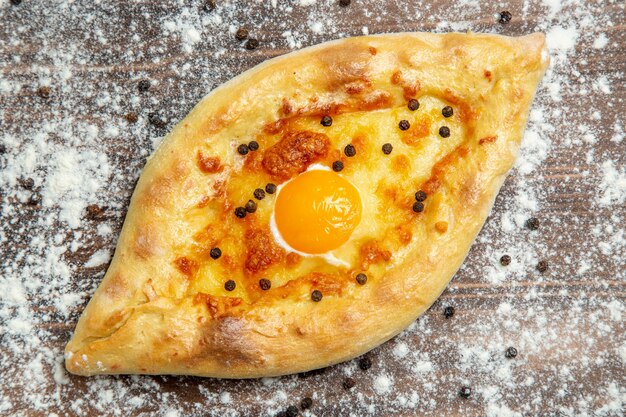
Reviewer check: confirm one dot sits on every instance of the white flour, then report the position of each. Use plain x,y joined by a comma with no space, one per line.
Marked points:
71,143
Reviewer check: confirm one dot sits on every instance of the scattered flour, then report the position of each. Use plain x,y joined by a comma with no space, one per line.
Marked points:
70,146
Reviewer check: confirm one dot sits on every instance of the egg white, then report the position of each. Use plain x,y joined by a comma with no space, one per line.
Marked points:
329,256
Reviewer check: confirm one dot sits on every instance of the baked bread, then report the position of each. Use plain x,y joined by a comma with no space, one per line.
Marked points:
311,208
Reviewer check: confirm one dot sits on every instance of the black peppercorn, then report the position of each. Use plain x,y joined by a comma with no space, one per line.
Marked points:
316,295
337,166
240,212
510,352
448,312
413,104
156,120
326,121
444,131
447,111
209,5
420,196
242,149
465,392
505,260
253,145
143,85
3,149
44,92
404,125
265,284
387,148
250,206
259,194
216,253
292,411
532,223
344,3
505,17
16,2
542,266
251,44
306,403
349,150
230,285
418,207
270,188
361,278
242,34
365,363
348,383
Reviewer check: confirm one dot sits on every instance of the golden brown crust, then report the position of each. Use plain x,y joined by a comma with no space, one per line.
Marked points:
162,307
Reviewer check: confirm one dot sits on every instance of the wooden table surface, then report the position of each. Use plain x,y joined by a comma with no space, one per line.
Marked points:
566,323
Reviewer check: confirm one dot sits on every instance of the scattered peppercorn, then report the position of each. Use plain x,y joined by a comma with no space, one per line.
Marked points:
448,312
292,411
16,2
511,352
156,120
306,403
465,392
216,253
3,149
44,91
542,266
444,131
242,34
404,125
209,5
265,284
361,278
253,145
418,207
251,44
344,3
240,212
270,188
326,121
230,285
259,194
387,148
532,223
365,363
131,117
349,150
447,111
505,17
337,166
348,383
505,260
413,104
420,196
250,206
243,149
316,295
28,183
143,85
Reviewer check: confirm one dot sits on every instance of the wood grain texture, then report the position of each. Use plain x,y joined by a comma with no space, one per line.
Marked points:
570,346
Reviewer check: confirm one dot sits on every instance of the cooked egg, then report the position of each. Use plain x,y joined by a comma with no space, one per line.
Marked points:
316,212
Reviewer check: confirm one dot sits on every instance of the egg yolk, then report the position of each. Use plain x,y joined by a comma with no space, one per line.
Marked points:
317,211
